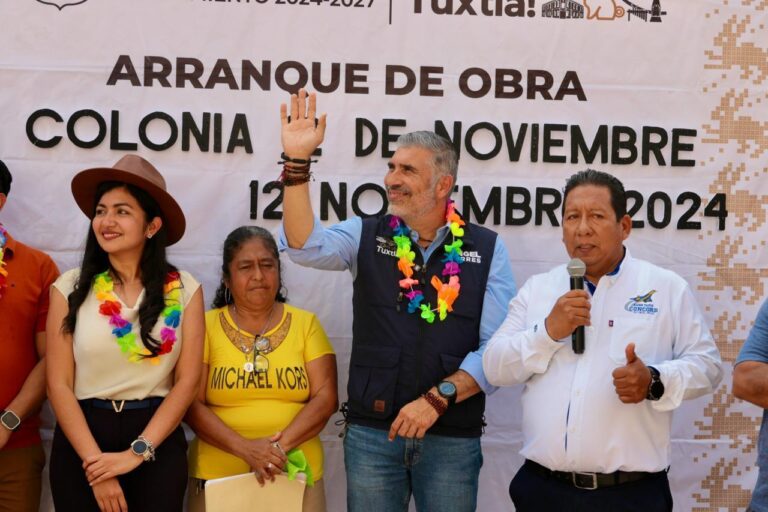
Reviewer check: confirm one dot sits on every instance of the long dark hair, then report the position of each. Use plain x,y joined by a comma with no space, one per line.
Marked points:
153,265
232,245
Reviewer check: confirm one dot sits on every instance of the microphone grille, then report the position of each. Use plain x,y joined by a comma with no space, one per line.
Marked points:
576,268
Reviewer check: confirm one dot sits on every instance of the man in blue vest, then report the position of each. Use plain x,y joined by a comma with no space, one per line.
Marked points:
429,290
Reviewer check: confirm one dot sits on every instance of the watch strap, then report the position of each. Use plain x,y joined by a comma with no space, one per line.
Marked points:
655,387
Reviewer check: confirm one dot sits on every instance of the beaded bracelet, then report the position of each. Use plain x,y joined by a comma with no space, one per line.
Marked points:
435,402
286,159
295,176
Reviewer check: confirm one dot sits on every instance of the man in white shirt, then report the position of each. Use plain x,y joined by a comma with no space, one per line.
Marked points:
596,425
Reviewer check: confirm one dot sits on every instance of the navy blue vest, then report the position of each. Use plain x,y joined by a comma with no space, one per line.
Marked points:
397,356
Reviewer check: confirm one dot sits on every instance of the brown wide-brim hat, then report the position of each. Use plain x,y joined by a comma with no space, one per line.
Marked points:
134,170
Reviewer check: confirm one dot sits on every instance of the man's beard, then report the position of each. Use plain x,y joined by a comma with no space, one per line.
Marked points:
414,206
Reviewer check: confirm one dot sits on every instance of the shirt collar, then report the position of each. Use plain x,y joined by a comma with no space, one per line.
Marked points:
612,275
442,232
439,234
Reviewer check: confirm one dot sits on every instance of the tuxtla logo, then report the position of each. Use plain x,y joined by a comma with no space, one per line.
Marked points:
61,4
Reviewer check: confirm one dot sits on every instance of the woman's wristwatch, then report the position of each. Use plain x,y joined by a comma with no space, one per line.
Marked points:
143,448
10,420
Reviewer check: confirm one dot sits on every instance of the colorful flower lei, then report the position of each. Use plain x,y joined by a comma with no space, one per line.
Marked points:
103,287
3,271
448,292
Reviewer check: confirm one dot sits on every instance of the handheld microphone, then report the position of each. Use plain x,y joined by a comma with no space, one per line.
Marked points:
577,269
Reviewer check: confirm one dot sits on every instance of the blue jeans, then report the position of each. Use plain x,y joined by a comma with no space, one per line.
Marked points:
441,472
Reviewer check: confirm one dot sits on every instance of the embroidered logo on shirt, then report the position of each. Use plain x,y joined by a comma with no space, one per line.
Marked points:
642,304
386,246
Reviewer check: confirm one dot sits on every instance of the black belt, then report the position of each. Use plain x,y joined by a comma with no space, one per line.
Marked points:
590,481
121,405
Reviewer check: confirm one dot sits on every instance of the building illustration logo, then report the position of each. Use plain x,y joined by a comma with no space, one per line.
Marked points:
602,10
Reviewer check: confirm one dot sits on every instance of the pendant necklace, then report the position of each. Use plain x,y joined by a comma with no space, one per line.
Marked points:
261,345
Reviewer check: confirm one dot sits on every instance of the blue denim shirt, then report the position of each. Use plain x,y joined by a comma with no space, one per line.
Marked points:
335,248
756,349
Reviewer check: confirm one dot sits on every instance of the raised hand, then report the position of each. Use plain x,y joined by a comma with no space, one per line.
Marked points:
632,380
303,133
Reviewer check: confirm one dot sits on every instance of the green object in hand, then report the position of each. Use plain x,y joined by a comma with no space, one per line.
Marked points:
297,463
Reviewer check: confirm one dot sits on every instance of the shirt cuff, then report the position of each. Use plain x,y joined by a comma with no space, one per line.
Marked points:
673,388
542,339
541,349
473,365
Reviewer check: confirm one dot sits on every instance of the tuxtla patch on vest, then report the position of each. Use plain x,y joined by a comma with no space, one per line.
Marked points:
386,246
642,304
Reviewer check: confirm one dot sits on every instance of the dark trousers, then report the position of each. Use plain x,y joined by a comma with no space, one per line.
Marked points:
157,485
532,492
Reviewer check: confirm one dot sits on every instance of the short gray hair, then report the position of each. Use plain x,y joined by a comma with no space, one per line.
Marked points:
444,157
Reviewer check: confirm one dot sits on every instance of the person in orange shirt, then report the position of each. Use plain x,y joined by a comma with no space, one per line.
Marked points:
25,277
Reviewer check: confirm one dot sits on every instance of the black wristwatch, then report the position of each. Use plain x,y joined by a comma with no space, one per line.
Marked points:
10,420
656,387
447,390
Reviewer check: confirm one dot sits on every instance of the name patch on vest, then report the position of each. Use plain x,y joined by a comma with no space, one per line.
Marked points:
472,257
385,246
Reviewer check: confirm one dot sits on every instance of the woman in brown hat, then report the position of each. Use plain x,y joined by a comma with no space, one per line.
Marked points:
125,333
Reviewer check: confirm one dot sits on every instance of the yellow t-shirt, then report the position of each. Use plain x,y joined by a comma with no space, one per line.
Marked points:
257,404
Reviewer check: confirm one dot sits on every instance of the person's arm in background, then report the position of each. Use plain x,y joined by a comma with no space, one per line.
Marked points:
750,375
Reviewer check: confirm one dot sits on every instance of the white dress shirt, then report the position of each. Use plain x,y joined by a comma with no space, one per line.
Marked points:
573,419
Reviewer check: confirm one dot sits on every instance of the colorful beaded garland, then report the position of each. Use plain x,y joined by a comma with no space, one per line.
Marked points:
103,287
447,293
3,270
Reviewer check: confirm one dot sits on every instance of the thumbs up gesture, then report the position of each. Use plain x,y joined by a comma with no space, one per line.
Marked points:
632,380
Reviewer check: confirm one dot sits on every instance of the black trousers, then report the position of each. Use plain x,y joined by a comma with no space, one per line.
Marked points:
157,485
533,492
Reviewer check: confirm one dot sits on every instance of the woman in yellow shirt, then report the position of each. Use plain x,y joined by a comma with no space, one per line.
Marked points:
269,376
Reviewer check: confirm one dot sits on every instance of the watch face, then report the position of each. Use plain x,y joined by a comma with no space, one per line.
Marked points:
446,389
10,420
139,447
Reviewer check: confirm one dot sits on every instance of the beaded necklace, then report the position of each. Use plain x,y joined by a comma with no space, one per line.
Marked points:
110,307
3,271
448,292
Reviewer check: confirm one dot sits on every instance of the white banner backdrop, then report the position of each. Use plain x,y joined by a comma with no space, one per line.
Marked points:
669,96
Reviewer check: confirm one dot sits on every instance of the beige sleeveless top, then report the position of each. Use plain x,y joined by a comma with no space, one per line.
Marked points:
102,370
